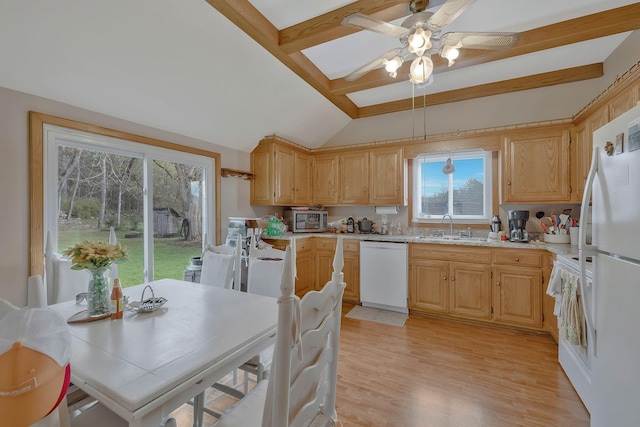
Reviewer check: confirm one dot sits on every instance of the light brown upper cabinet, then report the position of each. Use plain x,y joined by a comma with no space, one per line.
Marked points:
325,179
535,166
354,178
387,177
584,146
360,177
282,175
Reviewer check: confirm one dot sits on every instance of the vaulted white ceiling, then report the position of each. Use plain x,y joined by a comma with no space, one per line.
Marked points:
183,67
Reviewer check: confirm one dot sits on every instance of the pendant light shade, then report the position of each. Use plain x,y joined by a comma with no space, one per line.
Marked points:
420,70
448,168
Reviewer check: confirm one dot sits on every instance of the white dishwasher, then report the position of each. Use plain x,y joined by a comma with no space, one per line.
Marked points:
383,275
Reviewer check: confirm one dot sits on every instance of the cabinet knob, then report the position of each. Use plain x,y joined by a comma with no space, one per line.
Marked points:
364,189
453,279
517,259
444,278
509,183
497,283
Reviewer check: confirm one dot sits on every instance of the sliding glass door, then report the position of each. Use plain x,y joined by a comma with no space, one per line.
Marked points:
159,201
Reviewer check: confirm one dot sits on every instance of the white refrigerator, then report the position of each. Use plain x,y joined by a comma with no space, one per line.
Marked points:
614,187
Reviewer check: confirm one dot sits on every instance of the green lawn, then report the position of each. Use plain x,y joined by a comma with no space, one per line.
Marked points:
171,255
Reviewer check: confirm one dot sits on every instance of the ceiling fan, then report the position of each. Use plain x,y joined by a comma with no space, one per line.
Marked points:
420,38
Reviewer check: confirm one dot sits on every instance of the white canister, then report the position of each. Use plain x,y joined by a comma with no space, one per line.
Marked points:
573,233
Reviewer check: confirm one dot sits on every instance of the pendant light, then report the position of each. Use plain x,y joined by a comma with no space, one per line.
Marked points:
448,167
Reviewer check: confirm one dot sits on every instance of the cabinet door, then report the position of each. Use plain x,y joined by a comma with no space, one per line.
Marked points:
428,284
304,272
324,267
302,182
470,290
583,158
351,277
354,178
261,185
325,179
518,296
386,176
622,103
284,175
536,167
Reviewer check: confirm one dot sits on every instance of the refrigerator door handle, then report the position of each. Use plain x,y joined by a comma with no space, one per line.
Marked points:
585,250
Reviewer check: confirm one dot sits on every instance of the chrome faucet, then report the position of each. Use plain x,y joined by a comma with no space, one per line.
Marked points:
450,223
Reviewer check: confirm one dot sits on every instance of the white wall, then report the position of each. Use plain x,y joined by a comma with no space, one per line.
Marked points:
14,179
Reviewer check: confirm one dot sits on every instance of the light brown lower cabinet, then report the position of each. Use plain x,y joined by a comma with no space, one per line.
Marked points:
517,296
324,252
501,286
446,280
314,264
304,266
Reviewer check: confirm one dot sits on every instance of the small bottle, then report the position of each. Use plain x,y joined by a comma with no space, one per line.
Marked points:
116,300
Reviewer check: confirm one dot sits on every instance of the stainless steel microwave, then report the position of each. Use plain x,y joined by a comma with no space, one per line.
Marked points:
306,221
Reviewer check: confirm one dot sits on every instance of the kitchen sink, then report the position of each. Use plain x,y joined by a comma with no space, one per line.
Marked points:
450,237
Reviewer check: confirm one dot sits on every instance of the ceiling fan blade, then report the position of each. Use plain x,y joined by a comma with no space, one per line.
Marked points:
447,13
494,41
359,20
376,63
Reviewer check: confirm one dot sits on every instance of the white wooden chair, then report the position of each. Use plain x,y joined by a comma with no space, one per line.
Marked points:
63,283
301,388
265,273
221,267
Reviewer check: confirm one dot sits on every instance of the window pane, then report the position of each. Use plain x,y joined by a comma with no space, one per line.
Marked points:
96,191
435,189
465,194
177,217
468,191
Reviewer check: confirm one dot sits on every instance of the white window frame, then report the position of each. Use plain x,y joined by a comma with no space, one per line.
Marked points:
457,155
54,136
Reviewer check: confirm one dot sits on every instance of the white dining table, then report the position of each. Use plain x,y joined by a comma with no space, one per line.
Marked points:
146,365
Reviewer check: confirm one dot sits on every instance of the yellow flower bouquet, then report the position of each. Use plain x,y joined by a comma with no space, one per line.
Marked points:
95,255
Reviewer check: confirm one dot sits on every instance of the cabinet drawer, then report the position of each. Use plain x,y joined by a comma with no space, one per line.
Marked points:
303,245
325,244
525,258
451,253
351,246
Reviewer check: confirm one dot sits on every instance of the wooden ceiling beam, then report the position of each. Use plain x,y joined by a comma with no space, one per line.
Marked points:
328,26
602,24
568,75
246,17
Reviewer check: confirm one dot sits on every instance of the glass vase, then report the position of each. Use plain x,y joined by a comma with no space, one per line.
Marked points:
98,295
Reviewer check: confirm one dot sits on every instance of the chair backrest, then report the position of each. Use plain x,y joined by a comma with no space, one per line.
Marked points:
265,270
62,283
302,384
217,266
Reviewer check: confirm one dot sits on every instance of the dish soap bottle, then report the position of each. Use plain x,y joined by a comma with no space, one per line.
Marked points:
116,300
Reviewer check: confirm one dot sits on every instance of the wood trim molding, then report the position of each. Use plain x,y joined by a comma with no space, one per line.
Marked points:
36,174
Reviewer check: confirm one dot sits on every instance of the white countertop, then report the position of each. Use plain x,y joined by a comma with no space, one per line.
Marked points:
556,248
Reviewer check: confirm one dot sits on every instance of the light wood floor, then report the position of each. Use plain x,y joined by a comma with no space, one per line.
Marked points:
440,373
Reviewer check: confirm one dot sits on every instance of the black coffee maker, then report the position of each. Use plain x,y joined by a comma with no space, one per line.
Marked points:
517,224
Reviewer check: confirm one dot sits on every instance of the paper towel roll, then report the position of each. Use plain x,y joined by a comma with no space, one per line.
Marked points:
36,293
386,210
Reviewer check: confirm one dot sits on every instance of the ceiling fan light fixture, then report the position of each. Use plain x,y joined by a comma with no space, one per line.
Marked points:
420,70
392,65
450,53
419,42
448,167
